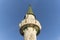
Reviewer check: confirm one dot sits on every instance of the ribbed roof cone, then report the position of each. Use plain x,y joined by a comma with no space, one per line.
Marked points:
30,10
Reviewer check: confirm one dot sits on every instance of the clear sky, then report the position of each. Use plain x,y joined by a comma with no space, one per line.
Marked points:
12,12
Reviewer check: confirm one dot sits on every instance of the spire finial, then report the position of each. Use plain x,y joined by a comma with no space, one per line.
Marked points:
30,10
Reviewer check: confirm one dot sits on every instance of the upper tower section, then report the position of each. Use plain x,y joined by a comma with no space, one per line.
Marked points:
30,21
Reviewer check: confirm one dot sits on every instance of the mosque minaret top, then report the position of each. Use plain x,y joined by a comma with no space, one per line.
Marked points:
30,26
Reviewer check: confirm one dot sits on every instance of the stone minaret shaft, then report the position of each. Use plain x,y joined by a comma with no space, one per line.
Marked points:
30,27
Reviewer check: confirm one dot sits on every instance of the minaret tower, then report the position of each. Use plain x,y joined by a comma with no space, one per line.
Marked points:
30,26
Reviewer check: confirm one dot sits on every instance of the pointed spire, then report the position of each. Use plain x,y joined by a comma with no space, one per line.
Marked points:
30,10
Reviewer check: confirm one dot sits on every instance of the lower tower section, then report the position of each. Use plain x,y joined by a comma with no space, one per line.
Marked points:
30,34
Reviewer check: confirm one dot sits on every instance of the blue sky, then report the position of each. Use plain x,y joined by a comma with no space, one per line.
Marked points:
12,12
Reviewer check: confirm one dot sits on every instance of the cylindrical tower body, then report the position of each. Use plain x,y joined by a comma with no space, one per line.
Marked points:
30,27
30,34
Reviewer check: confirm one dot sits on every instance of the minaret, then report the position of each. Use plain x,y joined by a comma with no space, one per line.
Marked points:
30,26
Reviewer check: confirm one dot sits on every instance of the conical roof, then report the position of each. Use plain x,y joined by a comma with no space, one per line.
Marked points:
30,10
